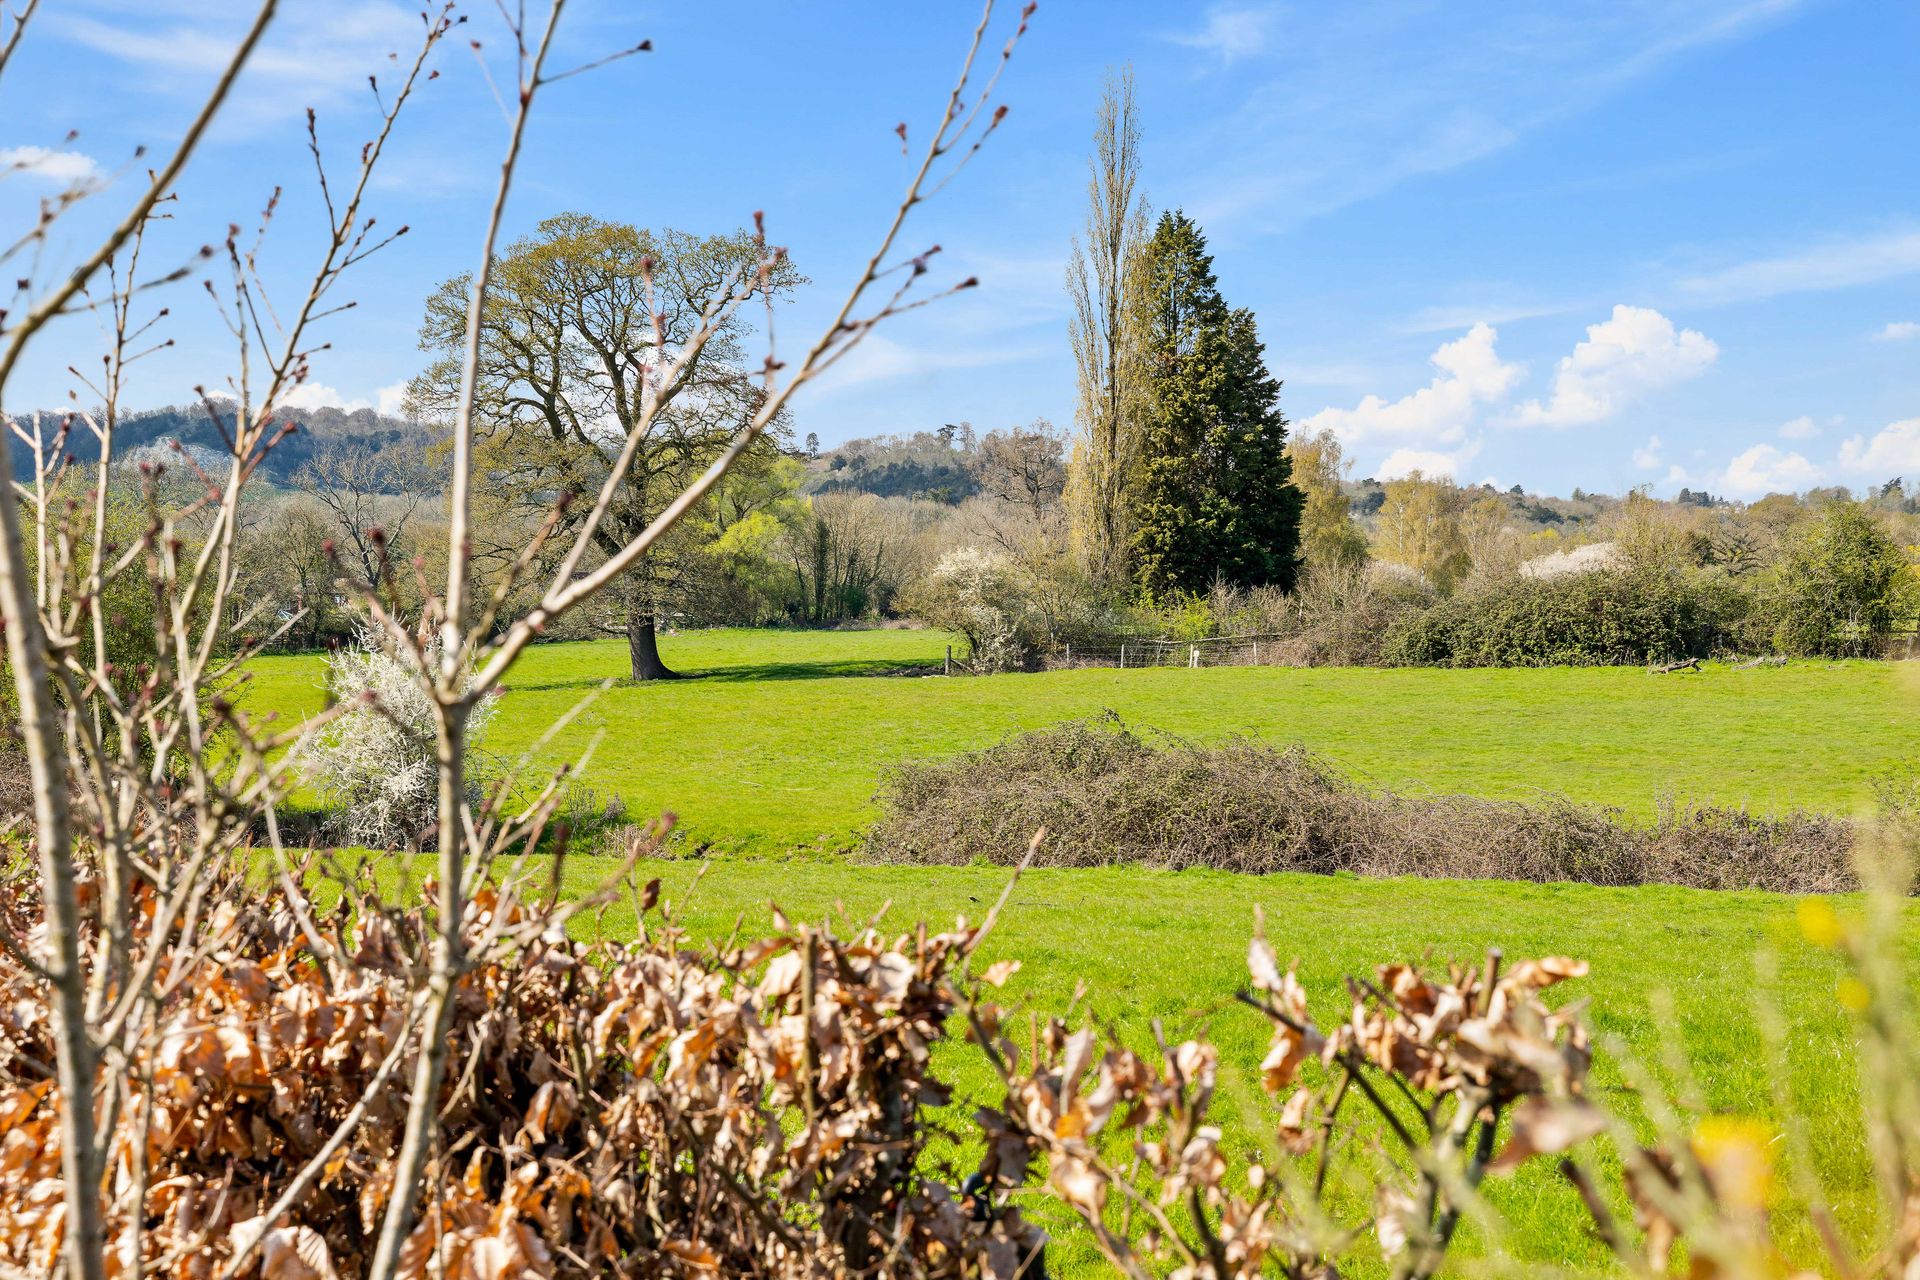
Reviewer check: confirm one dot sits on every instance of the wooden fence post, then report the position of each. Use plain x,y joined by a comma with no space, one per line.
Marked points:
948,669
1123,655
1069,653
1256,653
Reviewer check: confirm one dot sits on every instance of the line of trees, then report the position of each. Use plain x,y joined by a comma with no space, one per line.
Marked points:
1182,505
1180,477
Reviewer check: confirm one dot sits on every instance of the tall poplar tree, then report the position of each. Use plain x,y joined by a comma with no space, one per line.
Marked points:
1100,282
1215,498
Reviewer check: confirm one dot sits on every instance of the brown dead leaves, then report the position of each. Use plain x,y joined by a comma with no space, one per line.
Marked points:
640,1109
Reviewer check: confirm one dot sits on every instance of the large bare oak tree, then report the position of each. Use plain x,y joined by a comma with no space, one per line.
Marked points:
583,320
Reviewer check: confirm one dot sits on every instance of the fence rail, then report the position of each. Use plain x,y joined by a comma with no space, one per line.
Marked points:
1133,652
1220,651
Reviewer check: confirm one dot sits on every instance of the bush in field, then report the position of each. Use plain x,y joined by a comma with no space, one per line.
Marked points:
375,763
1840,588
1604,616
1108,795
985,597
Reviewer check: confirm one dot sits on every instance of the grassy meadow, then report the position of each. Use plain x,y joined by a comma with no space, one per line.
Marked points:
774,748
1172,945
779,742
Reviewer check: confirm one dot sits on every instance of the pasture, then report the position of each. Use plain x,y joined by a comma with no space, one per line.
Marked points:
776,745
778,741
1172,946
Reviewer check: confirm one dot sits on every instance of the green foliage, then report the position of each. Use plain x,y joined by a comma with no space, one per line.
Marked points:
1214,499
1841,586
1630,615
1419,526
1187,617
1329,538
128,599
575,312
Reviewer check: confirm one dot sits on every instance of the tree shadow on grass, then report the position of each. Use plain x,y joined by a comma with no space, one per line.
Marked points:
748,673
821,670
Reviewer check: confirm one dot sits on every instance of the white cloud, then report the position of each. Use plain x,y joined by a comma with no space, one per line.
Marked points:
390,400
1894,450
67,168
1432,462
1898,331
1836,264
1764,469
318,395
1800,428
1635,351
1231,32
1647,457
1471,375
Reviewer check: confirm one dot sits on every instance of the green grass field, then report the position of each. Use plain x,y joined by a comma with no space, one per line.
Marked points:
1172,945
778,744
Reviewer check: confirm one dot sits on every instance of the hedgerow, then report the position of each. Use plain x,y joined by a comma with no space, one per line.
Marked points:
1107,795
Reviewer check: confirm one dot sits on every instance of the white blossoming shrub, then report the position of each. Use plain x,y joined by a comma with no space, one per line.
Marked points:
374,765
985,597
1591,558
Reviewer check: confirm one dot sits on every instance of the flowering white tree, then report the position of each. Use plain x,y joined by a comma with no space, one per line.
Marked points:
985,597
374,763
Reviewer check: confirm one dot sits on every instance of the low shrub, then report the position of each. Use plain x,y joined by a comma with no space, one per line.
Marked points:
1840,590
1601,617
1109,795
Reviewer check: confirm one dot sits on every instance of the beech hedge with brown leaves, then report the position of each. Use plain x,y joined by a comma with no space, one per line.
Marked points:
658,1108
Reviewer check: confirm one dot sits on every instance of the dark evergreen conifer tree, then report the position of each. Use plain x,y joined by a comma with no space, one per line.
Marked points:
1215,498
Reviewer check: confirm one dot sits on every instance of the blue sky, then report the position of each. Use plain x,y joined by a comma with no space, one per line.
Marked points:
1596,244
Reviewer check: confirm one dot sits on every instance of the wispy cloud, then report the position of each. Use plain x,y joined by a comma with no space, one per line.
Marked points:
1833,264
1765,469
1428,429
1231,32
315,55
879,358
1894,450
1432,462
1452,318
1898,331
1353,100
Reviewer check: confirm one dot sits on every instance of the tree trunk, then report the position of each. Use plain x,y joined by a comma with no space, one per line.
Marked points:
643,647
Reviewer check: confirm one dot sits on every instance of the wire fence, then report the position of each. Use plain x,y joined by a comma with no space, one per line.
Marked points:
1137,652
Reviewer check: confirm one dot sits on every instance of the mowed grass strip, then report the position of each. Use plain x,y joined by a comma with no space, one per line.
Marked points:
781,739
1669,966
